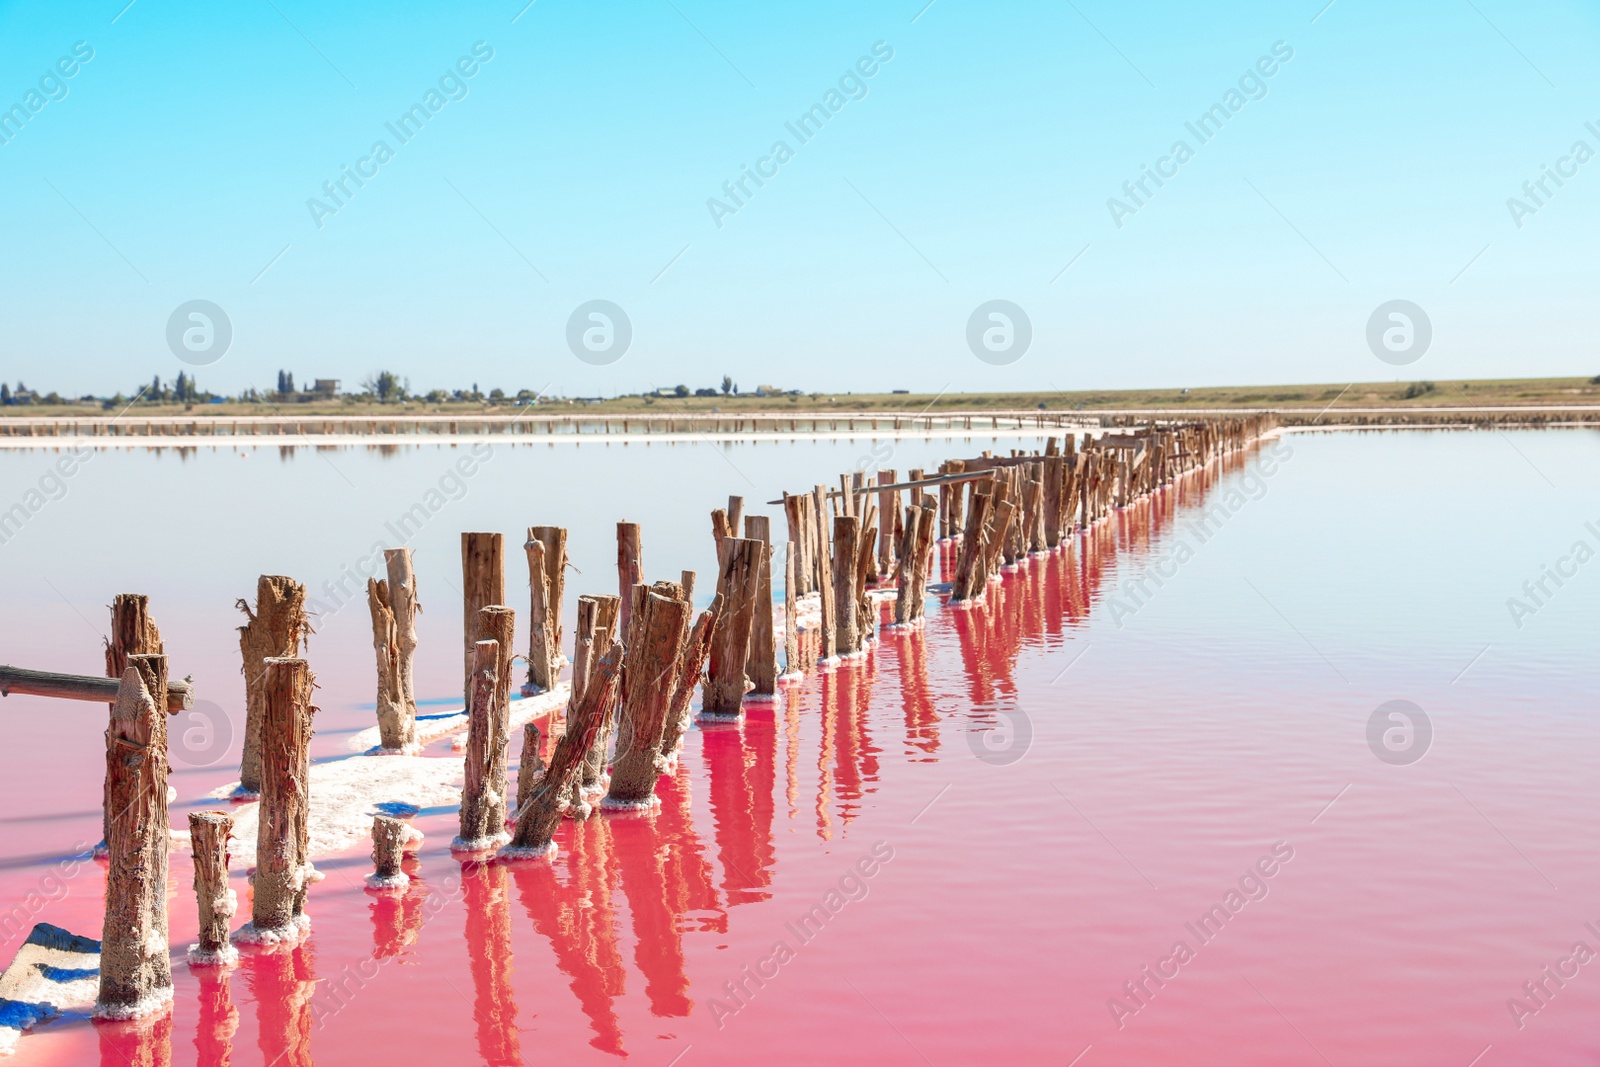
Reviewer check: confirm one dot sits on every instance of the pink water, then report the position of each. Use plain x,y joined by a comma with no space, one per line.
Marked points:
1048,792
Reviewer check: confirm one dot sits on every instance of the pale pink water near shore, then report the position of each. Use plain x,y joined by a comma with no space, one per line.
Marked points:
1050,792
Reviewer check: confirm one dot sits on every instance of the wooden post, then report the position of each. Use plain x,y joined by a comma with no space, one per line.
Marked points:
483,582
276,629
866,563
830,642
969,559
794,510
846,625
608,612
540,814
282,864
208,836
388,847
630,567
397,731
479,831
762,667
496,623
738,578
135,971
133,633
652,662
541,651
719,528
791,596
907,595
735,515
530,764
888,511
692,664
547,549
403,602
687,581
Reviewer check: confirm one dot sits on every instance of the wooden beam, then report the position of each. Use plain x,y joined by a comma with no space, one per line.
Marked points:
180,695
941,480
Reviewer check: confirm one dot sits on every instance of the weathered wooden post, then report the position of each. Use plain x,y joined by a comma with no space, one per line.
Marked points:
968,560
484,799
846,625
735,515
762,667
888,511
652,661
529,764
282,864
547,549
483,582
687,581
540,814
404,604
630,567
397,727
135,971
738,579
819,506
791,629
607,612
866,563
208,836
276,629
133,633
908,595
388,848
691,665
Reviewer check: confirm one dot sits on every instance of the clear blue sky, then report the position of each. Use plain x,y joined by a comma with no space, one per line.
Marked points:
978,164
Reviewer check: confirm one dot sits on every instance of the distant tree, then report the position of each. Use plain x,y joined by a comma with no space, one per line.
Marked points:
5,393
181,390
727,385
497,394
682,390
288,383
705,392
385,386
155,387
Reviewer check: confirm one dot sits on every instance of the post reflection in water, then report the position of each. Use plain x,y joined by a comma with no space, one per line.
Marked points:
485,889
282,983
218,1019
397,917
741,763
136,1043
575,914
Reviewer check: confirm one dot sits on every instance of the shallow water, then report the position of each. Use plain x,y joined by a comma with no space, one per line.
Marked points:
1050,791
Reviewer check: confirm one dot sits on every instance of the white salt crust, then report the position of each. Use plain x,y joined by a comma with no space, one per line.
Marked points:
152,1004
761,698
288,934
792,678
384,882
548,852
612,804
224,956
479,844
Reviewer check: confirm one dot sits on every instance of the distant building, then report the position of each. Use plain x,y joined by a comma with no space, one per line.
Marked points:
326,387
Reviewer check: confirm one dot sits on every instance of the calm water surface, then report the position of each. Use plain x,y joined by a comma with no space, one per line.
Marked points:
1127,812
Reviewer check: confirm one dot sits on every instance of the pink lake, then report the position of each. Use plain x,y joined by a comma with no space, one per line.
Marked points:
1010,819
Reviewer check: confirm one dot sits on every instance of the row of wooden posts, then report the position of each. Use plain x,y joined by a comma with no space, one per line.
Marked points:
637,660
